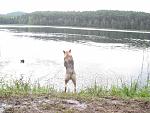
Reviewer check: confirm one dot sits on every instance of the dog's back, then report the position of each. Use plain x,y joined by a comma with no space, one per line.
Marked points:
69,64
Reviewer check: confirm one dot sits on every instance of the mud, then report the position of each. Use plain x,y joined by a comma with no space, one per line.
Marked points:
59,105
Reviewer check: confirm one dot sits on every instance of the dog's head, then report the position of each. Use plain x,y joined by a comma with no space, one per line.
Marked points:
67,53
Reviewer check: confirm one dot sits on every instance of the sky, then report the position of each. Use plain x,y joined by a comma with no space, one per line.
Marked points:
7,6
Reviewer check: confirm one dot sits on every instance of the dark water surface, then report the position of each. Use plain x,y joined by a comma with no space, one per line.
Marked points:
104,56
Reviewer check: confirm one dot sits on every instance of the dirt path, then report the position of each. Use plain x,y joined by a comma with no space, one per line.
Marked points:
59,105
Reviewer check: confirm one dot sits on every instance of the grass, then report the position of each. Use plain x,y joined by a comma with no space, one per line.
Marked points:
125,91
22,88
25,88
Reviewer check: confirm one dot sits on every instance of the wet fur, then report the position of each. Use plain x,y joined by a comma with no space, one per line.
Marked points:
69,65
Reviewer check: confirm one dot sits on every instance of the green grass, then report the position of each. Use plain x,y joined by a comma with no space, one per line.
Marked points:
22,88
124,91
25,88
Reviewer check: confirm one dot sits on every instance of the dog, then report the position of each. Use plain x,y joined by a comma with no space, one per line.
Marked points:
70,72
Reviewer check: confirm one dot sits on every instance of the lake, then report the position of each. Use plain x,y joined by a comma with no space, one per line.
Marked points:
103,56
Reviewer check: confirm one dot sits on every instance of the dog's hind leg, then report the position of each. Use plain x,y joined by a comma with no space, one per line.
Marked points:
66,81
74,82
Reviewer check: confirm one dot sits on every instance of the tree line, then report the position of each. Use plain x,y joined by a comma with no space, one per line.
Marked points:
99,19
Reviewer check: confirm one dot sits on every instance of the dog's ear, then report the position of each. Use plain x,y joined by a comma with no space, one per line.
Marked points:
70,51
63,51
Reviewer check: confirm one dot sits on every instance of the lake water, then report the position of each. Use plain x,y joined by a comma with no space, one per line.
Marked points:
102,56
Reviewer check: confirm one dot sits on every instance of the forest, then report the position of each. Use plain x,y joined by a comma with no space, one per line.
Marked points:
99,19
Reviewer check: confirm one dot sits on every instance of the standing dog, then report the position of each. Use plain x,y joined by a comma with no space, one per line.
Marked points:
70,73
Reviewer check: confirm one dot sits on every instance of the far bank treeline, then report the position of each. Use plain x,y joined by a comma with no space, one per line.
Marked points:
99,19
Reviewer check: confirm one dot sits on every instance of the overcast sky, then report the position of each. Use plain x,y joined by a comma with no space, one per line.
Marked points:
7,6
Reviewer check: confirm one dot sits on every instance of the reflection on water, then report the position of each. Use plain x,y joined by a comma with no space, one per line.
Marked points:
131,38
102,56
